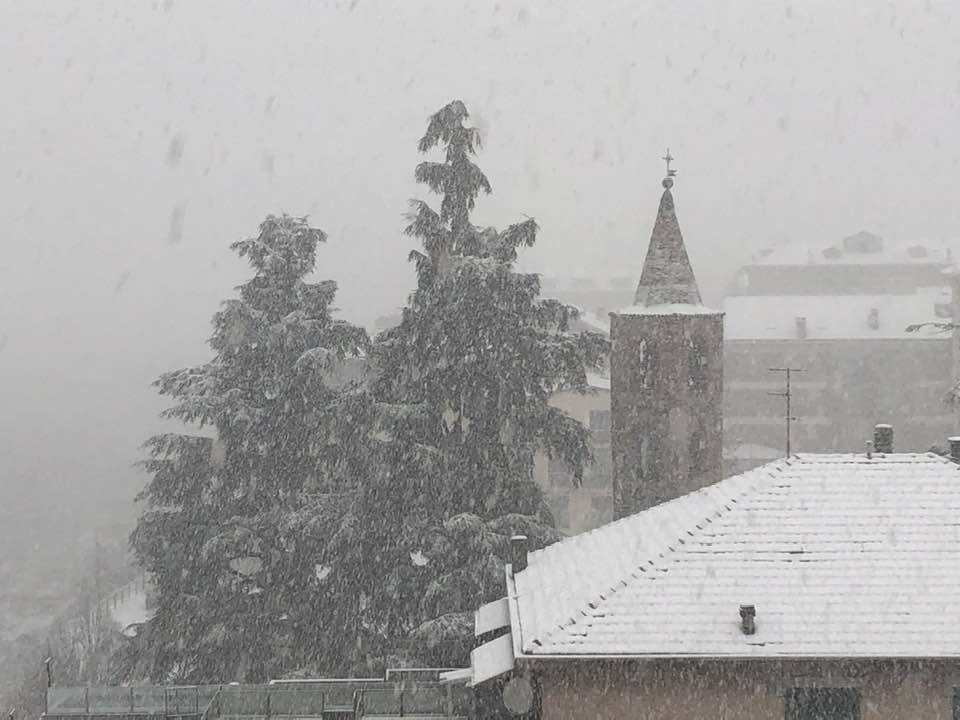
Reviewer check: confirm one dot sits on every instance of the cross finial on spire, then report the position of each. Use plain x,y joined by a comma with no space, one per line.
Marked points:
668,158
668,180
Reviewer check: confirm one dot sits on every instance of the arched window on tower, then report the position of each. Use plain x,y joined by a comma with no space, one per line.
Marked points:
698,362
648,362
697,450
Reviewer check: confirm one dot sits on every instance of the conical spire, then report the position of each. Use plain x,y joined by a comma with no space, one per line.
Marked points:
667,276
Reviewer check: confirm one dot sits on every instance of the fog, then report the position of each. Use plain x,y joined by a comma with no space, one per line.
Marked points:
138,139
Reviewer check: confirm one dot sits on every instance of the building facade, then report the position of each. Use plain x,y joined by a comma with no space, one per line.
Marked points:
839,315
580,507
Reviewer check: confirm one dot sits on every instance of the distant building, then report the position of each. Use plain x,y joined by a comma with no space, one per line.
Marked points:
839,312
596,295
577,508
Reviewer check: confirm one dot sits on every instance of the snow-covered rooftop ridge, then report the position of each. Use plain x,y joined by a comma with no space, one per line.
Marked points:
752,317
669,309
598,381
592,321
851,251
842,555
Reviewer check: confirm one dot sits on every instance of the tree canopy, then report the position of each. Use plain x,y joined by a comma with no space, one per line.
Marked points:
461,406
235,520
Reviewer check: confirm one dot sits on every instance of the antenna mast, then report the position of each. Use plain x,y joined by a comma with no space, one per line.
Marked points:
787,395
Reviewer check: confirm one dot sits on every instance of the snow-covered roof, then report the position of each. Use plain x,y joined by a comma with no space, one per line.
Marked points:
775,317
668,309
841,555
597,381
591,321
840,252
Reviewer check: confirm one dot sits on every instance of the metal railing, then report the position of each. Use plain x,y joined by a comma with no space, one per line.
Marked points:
306,699
137,700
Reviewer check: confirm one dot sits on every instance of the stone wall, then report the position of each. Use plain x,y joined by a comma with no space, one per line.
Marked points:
666,374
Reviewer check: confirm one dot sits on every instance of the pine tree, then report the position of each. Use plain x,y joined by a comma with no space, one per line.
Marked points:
235,521
461,406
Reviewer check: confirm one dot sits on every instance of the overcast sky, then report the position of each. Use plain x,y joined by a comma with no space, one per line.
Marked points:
138,139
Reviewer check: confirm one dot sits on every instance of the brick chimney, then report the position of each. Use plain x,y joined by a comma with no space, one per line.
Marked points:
954,448
883,439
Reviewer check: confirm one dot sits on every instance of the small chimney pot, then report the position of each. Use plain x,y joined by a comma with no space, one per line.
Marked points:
883,439
954,448
518,553
869,449
748,623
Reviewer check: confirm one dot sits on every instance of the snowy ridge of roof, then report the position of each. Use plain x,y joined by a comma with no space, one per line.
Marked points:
893,252
592,321
669,309
841,555
598,381
753,317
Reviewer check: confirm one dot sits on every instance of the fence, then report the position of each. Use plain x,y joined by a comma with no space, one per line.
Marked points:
308,699
138,700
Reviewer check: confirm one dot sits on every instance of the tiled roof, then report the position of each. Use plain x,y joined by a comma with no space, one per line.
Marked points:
842,555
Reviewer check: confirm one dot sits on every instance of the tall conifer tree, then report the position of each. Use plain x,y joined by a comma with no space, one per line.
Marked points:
234,524
462,405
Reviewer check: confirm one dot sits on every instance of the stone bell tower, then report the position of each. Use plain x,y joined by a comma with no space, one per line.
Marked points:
666,374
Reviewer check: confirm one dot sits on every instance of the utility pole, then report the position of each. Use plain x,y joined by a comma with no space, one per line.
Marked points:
787,394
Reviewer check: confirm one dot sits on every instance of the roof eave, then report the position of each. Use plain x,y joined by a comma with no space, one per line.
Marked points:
514,609
533,658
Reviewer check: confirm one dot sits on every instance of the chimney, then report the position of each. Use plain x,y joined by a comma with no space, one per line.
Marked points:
801,327
869,449
954,448
883,439
747,623
518,553
873,319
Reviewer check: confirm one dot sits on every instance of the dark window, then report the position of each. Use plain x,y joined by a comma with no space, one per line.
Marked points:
698,362
642,458
697,445
956,705
822,703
